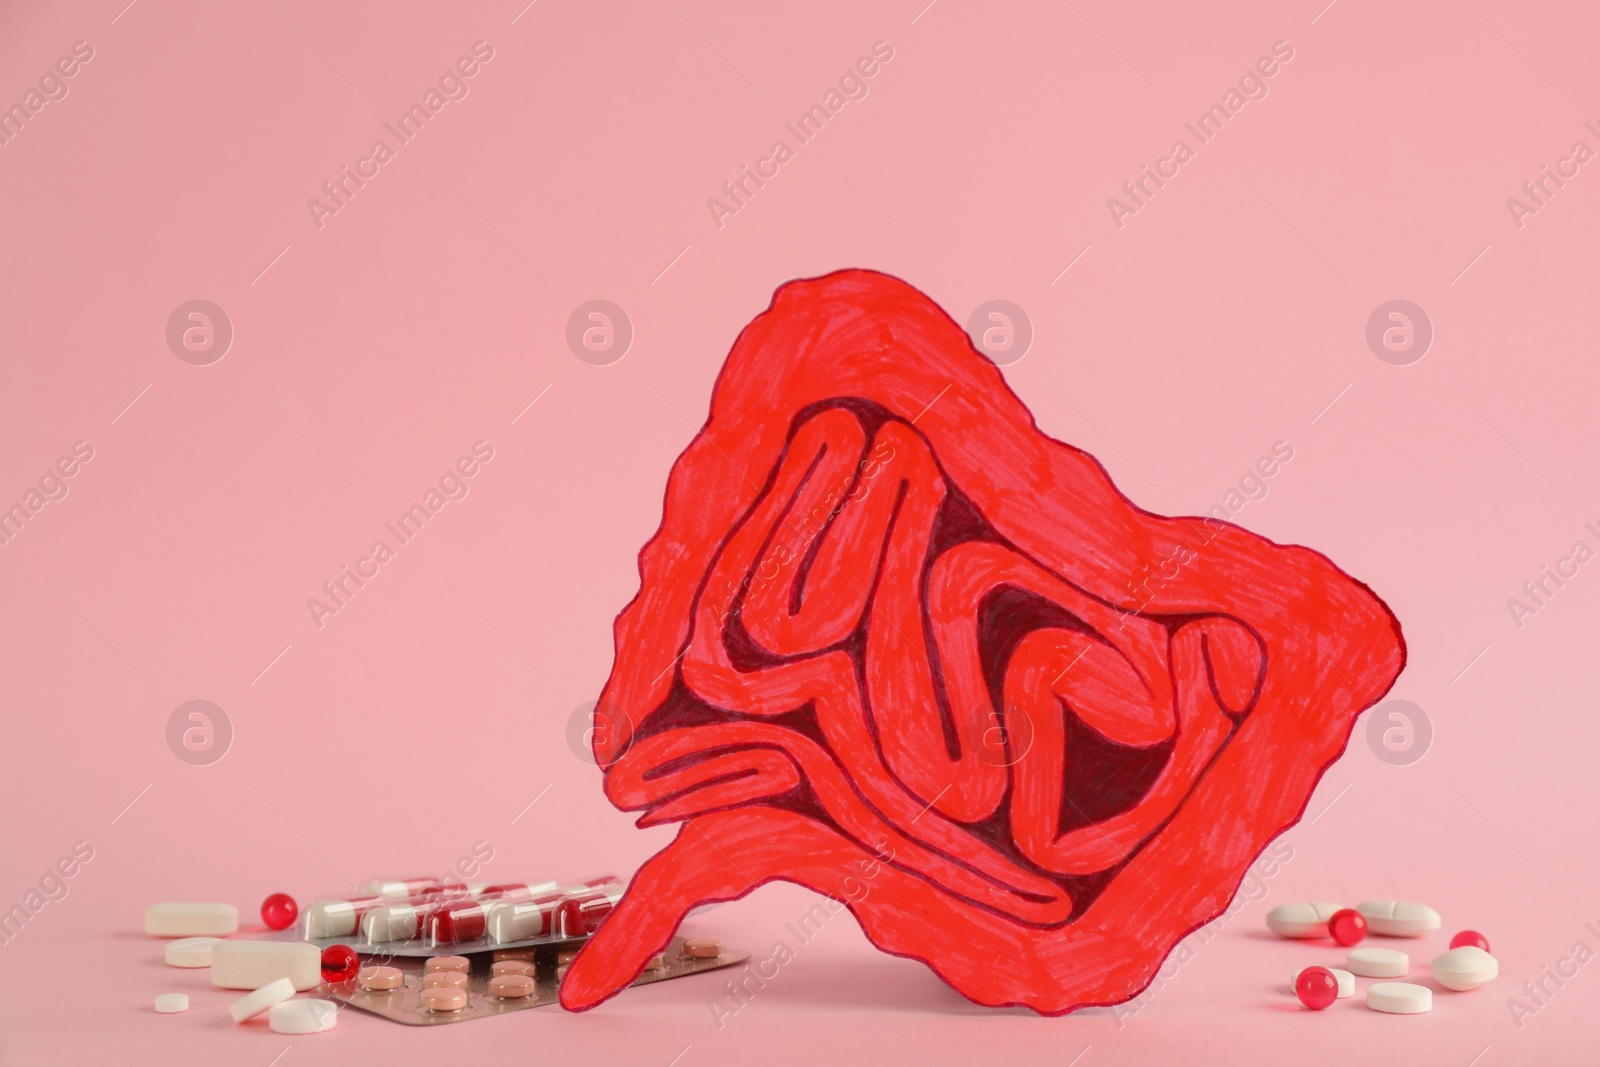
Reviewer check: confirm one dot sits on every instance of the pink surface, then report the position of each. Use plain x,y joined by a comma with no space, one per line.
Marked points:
370,354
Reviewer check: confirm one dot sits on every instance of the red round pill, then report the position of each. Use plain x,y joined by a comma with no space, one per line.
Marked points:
1316,987
1470,937
1347,926
279,911
339,963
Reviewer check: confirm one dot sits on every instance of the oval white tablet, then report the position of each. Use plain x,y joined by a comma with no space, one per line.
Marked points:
1464,968
252,964
1398,918
1346,980
253,1004
1399,998
303,1016
190,920
1301,920
1378,963
190,951
172,1003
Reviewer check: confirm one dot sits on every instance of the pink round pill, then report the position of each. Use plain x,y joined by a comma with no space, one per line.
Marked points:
500,967
279,911
446,979
339,963
511,986
443,998
1470,937
448,963
380,979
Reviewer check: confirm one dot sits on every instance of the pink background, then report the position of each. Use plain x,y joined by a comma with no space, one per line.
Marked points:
370,353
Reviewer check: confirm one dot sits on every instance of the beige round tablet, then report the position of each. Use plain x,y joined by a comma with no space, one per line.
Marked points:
1301,920
252,1004
1378,963
702,948
380,979
500,967
566,955
1399,998
190,951
172,1003
512,954
443,998
511,986
1398,918
444,979
311,1016
1464,968
448,963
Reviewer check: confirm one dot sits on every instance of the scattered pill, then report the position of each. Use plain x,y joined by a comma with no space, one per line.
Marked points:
1316,987
1470,937
702,948
1347,927
380,979
253,1004
252,964
443,998
1399,998
511,967
172,1003
1399,918
450,979
190,951
303,1016
1301,920
448,963
279,911
511,986
191,920
1346,980
1464,967
1378,963
339,963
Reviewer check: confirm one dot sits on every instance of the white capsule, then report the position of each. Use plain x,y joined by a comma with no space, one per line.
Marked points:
1399,998
190,951
1346,980
303,1016
172,1003
190,920
1398,918
1301,920
1378,963
397,922
252,964
1464,968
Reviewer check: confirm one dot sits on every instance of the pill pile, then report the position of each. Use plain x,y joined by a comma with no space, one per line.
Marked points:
1465,966
438,924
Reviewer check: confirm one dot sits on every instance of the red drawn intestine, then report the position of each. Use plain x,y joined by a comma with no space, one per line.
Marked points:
886,617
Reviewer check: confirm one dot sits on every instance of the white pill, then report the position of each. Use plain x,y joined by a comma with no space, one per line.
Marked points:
190,951
1467,967
1301,920
172,1003
252,964
1378,963
397,922
517,922
252,1004
1398,918
190,920
1399,998
1346,980
303,1016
